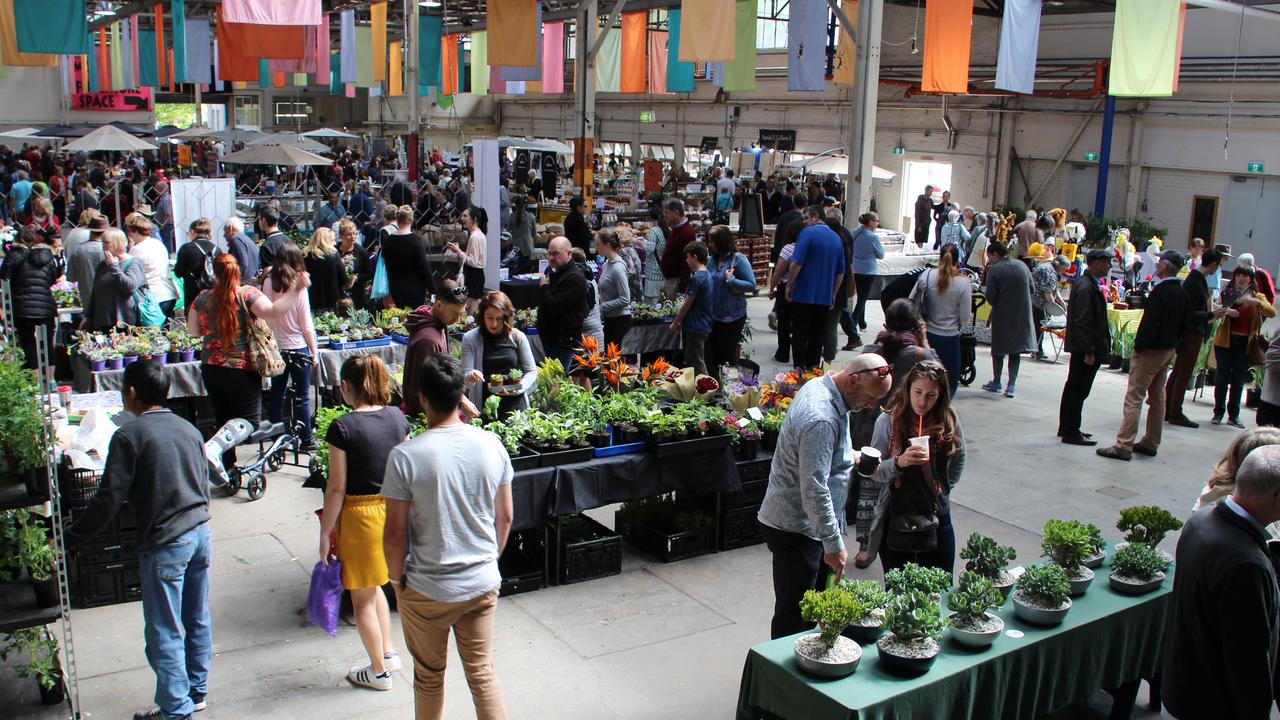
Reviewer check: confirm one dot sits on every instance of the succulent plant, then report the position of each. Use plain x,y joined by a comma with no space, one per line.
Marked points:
987,557
1046,584
833,609
973,598
913,615
911,577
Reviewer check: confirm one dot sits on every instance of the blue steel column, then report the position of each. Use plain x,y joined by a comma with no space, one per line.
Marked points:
1104,156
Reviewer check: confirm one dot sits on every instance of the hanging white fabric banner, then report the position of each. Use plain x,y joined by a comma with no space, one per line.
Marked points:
1019,45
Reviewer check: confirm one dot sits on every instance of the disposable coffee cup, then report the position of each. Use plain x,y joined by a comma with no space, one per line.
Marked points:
868,460
64,395
921,442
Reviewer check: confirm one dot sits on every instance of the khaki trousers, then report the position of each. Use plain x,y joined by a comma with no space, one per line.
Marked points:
1147,372
426,625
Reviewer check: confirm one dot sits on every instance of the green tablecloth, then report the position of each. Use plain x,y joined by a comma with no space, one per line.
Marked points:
1107,640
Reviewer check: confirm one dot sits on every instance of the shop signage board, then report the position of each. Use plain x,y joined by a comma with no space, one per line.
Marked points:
113,100
709,143
782,140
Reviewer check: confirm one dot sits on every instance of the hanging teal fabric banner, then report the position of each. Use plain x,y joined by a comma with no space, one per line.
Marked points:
148,70
679,74
91,70
335,74
264,74
430,34
179,36
55,27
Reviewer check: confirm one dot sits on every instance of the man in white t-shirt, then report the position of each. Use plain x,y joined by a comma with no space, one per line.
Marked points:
449,489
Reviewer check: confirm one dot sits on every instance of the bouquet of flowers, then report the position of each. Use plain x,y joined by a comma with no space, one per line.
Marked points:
743,391
779,393
67,294
682,385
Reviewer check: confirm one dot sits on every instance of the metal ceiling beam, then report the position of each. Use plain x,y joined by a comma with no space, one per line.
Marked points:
608,26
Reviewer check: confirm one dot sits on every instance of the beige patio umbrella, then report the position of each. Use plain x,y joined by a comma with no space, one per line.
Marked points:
294,139
108,137
195,131
274,151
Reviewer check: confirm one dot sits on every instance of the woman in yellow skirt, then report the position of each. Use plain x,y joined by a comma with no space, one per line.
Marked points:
355,512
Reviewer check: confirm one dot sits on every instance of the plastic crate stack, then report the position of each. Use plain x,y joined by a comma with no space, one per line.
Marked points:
757,248
737,523
103,569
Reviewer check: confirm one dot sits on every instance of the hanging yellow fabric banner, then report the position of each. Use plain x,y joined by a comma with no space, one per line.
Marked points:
378,23
1144,48
480,63
395,82
846,51
513,27
707,31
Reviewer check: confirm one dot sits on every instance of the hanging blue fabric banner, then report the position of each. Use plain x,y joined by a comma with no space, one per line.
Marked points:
347,44
807,46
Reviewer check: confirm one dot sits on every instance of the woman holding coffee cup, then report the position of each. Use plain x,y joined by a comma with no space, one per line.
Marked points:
922,446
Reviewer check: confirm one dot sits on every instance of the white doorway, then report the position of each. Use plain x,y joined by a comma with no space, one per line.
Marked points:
915,175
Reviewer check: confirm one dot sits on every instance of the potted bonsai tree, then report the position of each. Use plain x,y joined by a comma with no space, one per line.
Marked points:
971,621
930,581
990,559
915,623
1067,543
1147,524
827,653
1136,569
868,626
1098,547
1043,595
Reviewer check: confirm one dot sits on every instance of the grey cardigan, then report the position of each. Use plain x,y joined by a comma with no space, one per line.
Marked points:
615,290
473,359
870,535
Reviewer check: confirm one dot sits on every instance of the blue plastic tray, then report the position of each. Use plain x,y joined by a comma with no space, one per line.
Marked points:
376,342
612,450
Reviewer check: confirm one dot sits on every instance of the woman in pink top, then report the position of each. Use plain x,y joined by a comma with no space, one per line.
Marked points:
296,335
476,222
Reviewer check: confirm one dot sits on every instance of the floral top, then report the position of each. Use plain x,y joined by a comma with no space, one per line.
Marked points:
1045,280
215,353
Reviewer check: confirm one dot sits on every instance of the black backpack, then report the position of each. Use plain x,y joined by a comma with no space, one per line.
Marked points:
205,280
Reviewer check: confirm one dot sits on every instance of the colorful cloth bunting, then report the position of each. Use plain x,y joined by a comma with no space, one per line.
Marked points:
55,27
1019,46
378,40
634,46
658,63
430,50
807,46
513,32
553,58
480,63
608,63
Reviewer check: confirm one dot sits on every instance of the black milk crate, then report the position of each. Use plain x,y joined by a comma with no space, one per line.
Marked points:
106,548
739,528
521,564
106,584
587,550
757,469
666,546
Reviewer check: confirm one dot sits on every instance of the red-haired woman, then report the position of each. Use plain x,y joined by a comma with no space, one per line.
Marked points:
221,316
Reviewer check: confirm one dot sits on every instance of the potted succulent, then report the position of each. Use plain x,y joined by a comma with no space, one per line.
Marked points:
1097,545
770,427
37,555
868,626
40,650
912,577
1043,595
514,379
972,623
915,624
97,358
1067,543
496,382
1136,569
1147,524
114,359
827,653
990,559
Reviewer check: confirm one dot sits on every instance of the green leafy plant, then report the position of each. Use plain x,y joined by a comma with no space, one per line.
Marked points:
913,577
1147,524
772,421
10,549
34,548
1046,583
987,557
913,616
833,609
1067,543
41,651
1097,543
867,592
21,427
669,513
973,598
325,416
1139,562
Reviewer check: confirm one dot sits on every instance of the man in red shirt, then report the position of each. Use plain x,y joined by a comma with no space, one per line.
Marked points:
428,328
675,270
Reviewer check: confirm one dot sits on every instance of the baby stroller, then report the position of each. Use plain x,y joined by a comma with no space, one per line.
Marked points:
969,341
273,445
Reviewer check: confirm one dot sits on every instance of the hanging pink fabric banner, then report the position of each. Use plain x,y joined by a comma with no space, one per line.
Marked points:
658,62
272,12
133,51
320,54
553,58
351,90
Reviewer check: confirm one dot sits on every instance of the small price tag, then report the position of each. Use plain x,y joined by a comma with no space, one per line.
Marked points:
655,412
755,414
1016,572
1015,634
743,422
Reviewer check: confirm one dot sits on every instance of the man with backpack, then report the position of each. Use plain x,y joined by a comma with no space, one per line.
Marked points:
194,261
272,237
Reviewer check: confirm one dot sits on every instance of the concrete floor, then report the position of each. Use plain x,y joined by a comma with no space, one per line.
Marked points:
659,641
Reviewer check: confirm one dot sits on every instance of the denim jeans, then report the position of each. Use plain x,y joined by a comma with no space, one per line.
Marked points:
175,614
297,370
948,349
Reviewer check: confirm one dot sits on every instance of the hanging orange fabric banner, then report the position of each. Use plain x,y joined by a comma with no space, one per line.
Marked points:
948,32
395,80
277,79
104,60
707,31
162,54
513,33
846,51
449,64
634,25
378,44
241,45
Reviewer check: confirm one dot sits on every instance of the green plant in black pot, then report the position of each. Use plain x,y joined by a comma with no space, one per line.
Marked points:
1136,569
972,623
990,559
1043,594
868,626
21,427
1067,543
915,623
827,653
37,554
912,577
40,650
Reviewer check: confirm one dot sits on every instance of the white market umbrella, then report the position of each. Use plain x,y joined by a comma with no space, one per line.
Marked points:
329,133
108,137
28,133
837,165
294,139
235,135
195,131
274,152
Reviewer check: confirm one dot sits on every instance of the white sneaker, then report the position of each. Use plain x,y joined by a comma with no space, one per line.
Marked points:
391,661
365,677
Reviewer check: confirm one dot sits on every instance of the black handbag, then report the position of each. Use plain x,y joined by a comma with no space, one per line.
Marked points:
913,513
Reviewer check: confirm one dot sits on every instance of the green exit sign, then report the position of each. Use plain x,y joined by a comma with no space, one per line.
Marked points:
648,116
1256,167
898,149
1091,156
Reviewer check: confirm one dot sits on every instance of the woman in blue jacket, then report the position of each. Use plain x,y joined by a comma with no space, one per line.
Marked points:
731,279
867,252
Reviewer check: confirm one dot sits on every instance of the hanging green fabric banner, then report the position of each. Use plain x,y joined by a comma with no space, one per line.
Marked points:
740,73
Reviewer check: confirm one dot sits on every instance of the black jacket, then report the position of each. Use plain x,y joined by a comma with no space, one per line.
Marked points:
328,278
790,223
1199,313
157,463
1224,619
562,306
31,271
1087,328
1164,317
578,233
409,275
267,251
188,265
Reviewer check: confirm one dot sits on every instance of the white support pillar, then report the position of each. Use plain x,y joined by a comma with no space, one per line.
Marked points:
1134,184
862,139
584,91
411,76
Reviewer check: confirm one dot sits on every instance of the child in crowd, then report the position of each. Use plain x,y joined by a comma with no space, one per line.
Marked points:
694,318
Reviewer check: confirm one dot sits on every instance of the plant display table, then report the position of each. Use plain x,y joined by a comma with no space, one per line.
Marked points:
1108,641
1124,325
